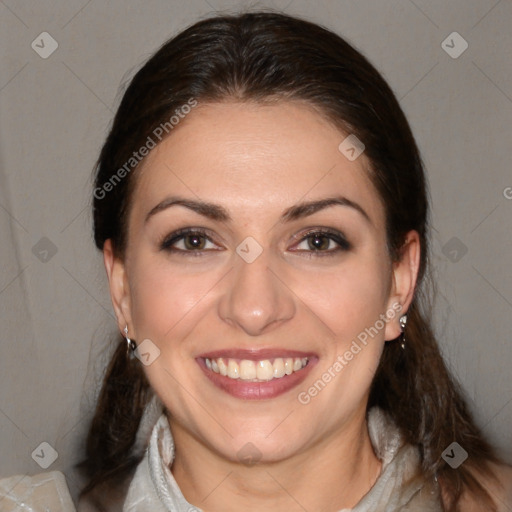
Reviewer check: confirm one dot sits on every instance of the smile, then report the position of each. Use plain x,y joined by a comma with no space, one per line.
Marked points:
256,376
256,371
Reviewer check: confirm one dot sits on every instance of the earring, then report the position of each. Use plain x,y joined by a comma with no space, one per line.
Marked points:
403,322
130,344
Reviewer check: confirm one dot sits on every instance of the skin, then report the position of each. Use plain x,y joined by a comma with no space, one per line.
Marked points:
256,161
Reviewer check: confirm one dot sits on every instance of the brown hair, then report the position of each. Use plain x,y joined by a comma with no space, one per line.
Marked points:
259,56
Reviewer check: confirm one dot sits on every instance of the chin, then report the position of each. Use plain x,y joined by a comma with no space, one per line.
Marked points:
251,447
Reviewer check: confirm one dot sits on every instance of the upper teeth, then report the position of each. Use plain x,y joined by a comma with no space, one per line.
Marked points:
256,370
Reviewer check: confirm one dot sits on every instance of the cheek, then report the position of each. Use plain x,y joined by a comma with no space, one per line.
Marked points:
350,303
347,299
161,297
167,308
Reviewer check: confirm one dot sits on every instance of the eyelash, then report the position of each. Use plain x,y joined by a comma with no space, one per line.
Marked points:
331,234
343,245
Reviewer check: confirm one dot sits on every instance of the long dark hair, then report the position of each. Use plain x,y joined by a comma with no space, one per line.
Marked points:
263,56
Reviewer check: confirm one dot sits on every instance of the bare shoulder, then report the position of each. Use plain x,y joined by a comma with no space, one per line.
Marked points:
500,490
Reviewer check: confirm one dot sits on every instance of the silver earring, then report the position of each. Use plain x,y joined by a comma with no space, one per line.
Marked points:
403,322
130,344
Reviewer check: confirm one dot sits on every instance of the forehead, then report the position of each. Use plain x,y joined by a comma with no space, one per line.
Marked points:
255,159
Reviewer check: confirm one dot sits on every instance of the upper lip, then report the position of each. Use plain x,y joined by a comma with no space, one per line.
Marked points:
256,354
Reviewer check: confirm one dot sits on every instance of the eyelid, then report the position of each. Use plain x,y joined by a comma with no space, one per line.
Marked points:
166,242
333,234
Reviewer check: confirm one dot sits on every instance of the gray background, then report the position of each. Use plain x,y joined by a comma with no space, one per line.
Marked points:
55,309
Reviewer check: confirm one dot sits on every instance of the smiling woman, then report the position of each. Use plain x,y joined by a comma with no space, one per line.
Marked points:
266,262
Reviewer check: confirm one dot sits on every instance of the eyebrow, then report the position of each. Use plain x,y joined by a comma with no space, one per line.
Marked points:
216,212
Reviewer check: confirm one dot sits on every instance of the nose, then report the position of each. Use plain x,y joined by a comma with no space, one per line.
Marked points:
256,298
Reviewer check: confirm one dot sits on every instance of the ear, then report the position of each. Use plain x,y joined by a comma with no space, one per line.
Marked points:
403,283
119,289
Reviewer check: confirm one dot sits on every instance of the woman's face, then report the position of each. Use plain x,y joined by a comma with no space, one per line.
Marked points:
253,237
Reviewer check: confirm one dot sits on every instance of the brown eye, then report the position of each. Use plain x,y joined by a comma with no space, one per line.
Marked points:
318,242
191,241
194,242
322,242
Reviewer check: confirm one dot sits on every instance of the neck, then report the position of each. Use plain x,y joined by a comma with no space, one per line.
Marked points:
333,474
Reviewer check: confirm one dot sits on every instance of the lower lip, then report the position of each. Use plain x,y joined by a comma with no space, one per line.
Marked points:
257,390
